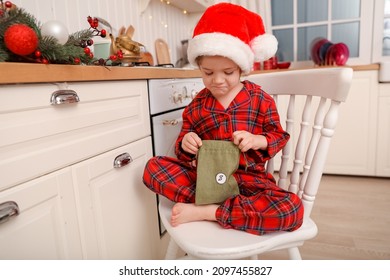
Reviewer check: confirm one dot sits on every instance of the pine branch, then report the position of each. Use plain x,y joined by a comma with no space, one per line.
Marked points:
21,16
78,36
4,56
49,47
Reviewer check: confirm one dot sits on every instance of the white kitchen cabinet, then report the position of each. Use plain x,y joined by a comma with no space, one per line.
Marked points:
56,163
383,138
108,115
361,143
353,147
194,6
46,227
118,218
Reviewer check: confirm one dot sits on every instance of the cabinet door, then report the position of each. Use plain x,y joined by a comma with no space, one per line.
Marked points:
353,147
118,213
383,140
46,227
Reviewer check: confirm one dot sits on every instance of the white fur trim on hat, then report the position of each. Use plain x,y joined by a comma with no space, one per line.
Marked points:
211,44
264,46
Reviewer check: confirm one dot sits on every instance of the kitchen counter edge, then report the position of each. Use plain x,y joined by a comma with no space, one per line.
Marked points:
13,72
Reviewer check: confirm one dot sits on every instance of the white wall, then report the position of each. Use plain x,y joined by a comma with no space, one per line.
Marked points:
158,20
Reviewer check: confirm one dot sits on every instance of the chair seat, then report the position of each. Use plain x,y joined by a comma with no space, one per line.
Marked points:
208,240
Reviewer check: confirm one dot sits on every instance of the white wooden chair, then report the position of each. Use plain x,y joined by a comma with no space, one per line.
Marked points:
300,166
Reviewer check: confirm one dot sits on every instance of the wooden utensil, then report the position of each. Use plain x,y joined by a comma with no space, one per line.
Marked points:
162,52
147,57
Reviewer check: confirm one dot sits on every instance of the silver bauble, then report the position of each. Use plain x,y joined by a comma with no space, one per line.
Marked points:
56,29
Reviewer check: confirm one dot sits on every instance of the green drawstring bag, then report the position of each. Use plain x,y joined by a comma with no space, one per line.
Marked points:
217,161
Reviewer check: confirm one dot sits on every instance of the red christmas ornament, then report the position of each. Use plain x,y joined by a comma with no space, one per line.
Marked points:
21,39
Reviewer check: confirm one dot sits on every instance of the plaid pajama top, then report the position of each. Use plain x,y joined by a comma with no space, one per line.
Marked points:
252,110
261,206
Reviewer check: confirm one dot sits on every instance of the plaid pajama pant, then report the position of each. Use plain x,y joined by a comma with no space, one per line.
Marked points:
261,207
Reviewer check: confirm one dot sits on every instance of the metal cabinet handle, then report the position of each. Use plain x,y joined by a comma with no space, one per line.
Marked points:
8,210
171,122
122,160
64,96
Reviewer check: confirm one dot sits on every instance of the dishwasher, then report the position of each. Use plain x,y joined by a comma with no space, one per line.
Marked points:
167,99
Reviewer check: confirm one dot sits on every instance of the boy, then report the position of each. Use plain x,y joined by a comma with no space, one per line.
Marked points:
226,42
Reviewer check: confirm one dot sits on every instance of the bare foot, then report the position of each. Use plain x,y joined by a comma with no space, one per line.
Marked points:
188,212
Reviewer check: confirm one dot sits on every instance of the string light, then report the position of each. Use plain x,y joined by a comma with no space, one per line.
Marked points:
167,2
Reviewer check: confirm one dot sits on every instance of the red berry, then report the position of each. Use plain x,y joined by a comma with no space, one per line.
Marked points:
113,57
37,53
103,33
87,50
45,61
76,60
95,23
90,42
89,19
8,4
90,55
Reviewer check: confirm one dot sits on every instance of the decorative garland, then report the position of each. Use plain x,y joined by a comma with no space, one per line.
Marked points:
24,39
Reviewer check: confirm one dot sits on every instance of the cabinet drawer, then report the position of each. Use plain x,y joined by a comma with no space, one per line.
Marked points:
37,137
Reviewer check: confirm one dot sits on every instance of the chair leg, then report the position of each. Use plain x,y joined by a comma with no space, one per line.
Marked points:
172,250
294,253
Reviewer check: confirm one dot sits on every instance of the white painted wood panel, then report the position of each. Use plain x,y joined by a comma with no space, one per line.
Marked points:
118,215
353,147
46,227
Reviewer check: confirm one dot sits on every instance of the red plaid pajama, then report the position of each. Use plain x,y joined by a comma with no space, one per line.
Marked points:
261,207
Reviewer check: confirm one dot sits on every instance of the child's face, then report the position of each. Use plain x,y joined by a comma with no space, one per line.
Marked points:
220,74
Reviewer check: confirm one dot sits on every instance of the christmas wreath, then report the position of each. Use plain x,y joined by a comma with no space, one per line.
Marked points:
24,39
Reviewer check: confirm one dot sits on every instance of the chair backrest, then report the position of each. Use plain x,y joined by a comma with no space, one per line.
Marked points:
307,98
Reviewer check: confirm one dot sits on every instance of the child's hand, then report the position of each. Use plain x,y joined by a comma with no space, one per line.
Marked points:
191,143
246,141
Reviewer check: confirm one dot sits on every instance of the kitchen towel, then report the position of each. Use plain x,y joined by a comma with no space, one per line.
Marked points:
217,161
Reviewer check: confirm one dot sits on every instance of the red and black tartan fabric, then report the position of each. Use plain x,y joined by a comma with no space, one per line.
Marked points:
261,207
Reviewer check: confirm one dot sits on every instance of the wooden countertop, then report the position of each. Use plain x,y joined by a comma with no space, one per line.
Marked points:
14,72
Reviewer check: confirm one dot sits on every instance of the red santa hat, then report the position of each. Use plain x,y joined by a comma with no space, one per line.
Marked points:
232,31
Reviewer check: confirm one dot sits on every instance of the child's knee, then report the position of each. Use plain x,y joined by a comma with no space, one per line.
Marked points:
297,212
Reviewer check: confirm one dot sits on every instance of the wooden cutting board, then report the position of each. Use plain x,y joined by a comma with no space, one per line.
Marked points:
162,52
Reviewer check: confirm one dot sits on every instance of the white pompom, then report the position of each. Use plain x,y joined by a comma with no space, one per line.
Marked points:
264,46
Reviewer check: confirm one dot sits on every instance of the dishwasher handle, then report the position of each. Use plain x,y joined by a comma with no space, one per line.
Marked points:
8,210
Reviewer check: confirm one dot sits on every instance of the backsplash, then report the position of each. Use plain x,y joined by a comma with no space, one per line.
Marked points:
157,20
